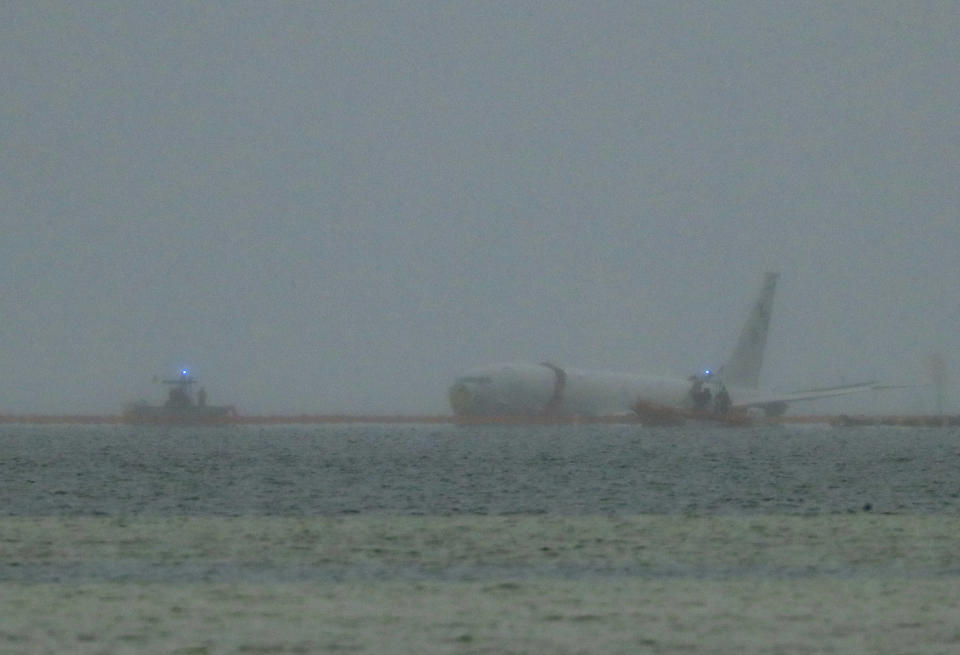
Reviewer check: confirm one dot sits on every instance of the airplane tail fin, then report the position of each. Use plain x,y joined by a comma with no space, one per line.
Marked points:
743,367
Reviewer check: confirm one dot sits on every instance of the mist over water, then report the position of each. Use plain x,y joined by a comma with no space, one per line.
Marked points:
339,208
325,208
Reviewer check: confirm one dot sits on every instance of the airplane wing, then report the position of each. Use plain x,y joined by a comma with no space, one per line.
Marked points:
759,400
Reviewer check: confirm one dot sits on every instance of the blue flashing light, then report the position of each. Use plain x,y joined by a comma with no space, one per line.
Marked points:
184,372
706,372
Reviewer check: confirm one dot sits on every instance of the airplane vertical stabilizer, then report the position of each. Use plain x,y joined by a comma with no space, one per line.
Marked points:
743,367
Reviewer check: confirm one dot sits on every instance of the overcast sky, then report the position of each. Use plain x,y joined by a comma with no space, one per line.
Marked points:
325,207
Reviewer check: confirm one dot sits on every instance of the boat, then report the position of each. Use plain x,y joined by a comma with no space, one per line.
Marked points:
183,406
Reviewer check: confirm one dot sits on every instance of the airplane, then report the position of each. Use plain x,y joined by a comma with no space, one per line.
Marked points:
546,390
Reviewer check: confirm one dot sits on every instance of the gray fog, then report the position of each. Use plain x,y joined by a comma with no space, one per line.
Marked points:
338,207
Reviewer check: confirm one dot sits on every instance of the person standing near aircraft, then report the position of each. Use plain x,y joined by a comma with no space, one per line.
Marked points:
722,403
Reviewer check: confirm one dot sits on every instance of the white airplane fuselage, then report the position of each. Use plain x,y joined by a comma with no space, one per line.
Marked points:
523,389
520,389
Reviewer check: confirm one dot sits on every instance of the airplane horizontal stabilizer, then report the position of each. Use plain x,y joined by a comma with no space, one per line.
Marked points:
807,394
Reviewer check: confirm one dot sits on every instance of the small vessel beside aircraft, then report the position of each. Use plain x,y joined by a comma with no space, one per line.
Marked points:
183,405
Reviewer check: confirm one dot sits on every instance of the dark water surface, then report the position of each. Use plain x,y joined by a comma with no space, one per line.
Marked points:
436,540
335,470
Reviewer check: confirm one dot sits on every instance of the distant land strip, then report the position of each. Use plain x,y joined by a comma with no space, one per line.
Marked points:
841,420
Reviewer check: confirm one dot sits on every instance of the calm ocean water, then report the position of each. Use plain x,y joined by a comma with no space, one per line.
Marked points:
438,470
374,538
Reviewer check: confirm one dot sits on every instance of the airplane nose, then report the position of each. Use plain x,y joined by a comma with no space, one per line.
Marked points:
459,396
